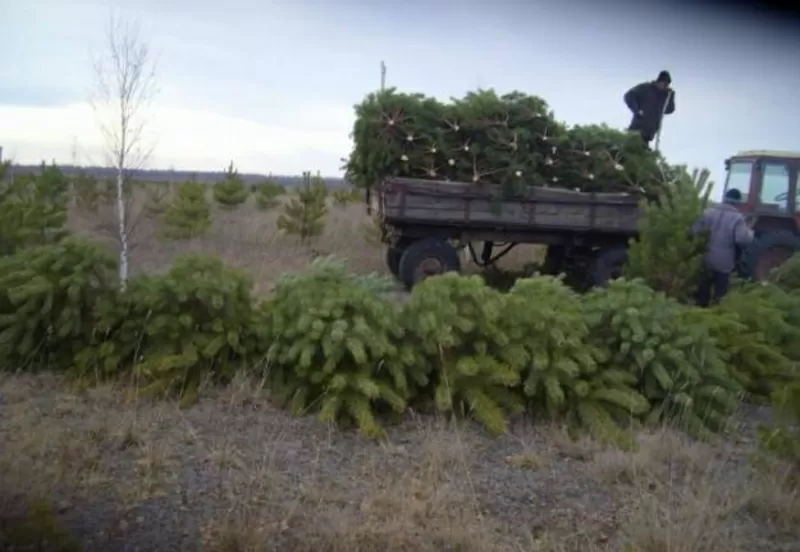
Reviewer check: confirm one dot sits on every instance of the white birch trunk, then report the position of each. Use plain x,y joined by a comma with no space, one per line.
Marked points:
123,231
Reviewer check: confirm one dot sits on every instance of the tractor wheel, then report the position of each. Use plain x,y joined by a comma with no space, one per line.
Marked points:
425,258
607,265
768,251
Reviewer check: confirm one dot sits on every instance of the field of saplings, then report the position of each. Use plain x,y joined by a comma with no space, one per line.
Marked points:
329,341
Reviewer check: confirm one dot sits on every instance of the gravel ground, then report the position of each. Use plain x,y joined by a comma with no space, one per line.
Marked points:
233,473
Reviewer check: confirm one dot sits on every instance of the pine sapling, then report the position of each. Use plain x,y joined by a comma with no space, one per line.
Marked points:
267,194
304,215
157,197
230,191
188,214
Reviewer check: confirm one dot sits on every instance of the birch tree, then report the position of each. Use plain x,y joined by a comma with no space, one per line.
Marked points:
124,87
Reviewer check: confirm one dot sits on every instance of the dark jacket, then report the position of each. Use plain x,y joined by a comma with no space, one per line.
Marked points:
647,98
728,229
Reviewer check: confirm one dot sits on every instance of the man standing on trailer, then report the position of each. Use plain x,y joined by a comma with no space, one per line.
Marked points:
649,102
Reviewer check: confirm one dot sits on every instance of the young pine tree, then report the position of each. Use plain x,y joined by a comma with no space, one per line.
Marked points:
157,194
188,214
267,194
33,209
665,254
304,215
230,191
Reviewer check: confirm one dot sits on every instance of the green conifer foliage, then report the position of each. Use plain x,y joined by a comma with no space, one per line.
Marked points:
304,214
87,193
177,330
665,254
511,140
677,363
754,325
188,214
33,209
267,194
566,375
338,347
157,196
458,324
230,192
47,298
787,275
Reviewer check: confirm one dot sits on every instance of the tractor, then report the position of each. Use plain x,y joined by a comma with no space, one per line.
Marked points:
769,182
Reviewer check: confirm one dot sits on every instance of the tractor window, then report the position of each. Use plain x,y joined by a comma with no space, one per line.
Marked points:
739,178
775,185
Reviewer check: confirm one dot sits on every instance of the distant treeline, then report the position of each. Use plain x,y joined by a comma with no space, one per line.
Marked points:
208,177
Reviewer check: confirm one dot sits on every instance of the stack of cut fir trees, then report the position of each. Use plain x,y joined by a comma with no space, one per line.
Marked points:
512,141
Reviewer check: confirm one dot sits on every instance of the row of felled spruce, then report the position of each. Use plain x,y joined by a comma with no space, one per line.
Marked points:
327,341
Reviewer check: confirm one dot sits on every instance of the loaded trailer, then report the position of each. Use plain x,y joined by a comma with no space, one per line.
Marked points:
426,222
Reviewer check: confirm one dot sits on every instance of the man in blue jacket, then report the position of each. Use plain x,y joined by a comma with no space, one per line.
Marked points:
727,231
649,102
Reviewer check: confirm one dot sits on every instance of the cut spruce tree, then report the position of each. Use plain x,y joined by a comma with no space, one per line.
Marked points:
511,140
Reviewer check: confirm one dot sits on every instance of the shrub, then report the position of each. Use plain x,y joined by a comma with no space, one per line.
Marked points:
47,298
565,374
664,254
187,215
304,215
33,209
676,361
457,323
338,347
267,194
230,191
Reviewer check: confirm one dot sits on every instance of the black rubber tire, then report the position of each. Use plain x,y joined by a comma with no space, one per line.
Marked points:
394,253
606,265
393,256
554,259
429,249
753,255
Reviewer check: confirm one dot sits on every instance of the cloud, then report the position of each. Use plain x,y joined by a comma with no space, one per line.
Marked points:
186,138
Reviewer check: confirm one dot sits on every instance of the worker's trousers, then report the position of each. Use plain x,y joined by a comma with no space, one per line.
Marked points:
713,287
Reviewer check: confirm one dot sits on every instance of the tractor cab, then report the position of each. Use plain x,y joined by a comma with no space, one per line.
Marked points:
769,182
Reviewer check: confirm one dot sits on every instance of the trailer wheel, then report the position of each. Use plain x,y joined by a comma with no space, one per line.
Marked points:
425,258
607,265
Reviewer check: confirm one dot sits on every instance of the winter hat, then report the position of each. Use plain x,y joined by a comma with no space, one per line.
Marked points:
664,77
733,196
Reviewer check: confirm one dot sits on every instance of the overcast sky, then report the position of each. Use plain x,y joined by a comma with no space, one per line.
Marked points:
271,84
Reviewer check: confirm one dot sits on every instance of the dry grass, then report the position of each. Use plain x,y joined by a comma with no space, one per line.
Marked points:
232,474
247,238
